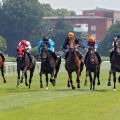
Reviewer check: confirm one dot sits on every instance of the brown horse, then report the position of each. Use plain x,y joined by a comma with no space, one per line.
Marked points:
115,64
2,60
73,64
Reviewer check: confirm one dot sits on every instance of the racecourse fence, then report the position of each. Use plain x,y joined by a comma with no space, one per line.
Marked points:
11,67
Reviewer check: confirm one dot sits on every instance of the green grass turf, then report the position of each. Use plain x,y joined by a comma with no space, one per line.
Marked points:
59,102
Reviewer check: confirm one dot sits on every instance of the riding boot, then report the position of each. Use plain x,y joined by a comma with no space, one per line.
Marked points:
111,55
98,56
79,54
54,55
66,54
30,57
85,57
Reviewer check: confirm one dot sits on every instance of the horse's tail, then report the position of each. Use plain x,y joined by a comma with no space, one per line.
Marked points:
2,57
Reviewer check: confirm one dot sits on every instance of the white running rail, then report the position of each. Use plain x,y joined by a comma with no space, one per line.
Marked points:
11,67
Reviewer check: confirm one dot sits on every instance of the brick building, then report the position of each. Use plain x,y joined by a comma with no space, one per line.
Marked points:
94,22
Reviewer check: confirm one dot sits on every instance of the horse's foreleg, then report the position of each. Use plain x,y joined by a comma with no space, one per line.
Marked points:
109,79
22,77
70,78
78,78
90,76
23,73
31,75
68,84
41,84
26,78
87,74
18,78
52,79
2,73
114,79
95,75
46,81
98,77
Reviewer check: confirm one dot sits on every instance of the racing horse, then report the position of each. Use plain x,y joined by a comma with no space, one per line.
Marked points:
2,60
92,64
48,66
24,64
115,64
73,63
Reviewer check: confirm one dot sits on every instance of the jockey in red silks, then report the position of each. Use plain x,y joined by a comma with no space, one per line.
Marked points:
27,48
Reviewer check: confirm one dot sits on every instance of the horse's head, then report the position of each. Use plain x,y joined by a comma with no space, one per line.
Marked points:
44,53
92,55
71,44
20,53
117,46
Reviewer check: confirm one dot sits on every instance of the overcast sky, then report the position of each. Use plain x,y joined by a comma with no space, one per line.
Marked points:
78,5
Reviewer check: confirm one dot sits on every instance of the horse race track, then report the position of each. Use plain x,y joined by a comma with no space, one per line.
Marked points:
59,102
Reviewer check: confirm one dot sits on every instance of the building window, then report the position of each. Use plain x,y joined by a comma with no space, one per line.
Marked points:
93,28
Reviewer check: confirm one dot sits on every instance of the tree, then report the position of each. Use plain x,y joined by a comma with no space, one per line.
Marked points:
19,18
106,45
60,33
3,45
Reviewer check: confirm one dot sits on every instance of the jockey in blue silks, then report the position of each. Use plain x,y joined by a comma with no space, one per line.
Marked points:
116,37
50,44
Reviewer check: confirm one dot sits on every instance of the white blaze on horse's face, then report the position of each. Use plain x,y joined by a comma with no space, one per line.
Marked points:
118,46
44,56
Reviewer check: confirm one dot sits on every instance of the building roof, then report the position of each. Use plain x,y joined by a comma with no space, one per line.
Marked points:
75,17
97,9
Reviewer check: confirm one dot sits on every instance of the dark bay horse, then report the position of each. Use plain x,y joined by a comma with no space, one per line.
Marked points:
23,64
2,60
92,64
48,66
73,64
115,64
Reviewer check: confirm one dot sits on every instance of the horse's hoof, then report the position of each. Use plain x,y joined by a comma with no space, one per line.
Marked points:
21,81
54,82
68,85
78,86
73,87
46,88
41,86
4,81
98,83
26,84
109,84
51,81
114,89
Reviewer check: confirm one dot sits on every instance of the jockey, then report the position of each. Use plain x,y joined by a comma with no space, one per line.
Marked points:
92,43
27,47
50,43
66,44
117,37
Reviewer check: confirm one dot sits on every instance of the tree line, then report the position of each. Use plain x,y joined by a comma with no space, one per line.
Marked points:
22,19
